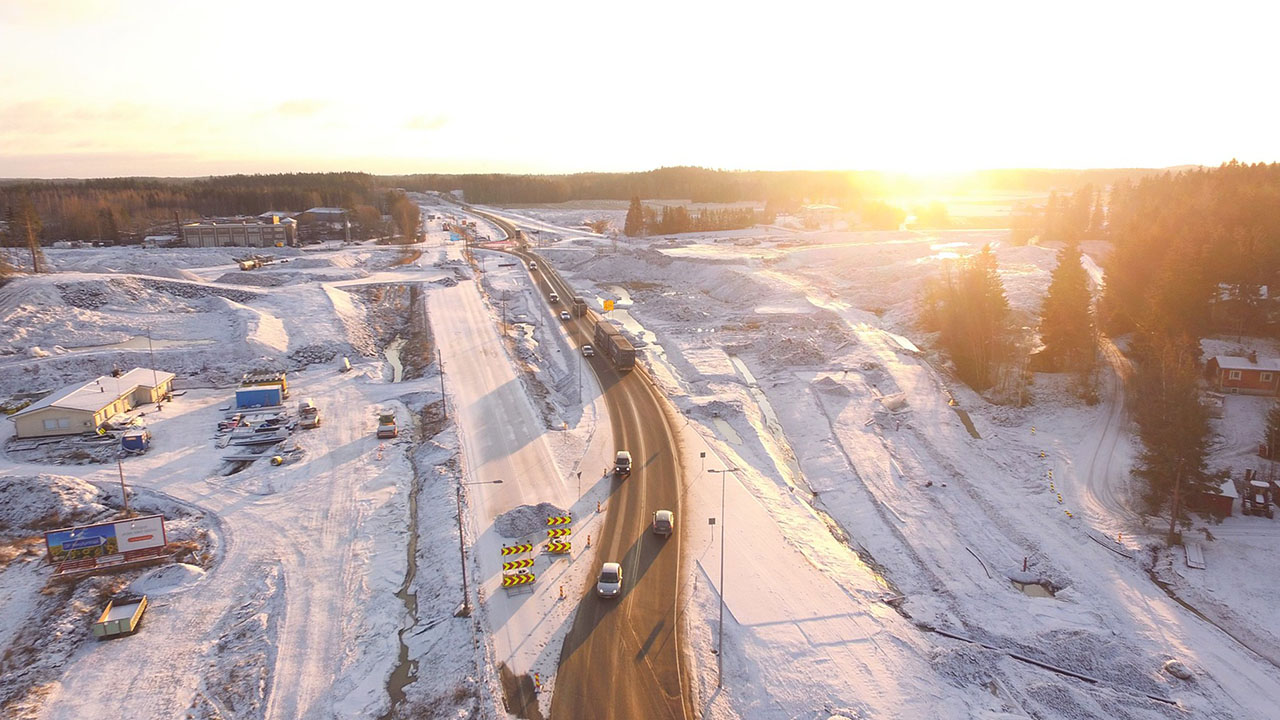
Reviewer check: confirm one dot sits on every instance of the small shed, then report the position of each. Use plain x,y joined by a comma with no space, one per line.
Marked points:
1216,503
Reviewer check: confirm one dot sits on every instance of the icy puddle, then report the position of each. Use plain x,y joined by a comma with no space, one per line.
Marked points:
141,342
1033,589
393,356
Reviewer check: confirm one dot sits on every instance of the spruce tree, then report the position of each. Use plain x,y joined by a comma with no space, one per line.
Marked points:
1066,319
634,225
972,314
1173,426
1271,432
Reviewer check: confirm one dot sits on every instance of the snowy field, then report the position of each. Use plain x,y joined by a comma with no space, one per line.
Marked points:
882,558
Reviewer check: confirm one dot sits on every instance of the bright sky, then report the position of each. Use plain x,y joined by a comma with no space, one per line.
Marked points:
92,88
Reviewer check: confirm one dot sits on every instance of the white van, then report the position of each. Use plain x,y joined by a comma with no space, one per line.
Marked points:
555,298
533,264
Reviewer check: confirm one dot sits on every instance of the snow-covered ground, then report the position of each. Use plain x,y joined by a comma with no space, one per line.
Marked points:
865,517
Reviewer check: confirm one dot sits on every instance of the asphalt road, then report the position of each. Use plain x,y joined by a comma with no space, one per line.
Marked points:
622,658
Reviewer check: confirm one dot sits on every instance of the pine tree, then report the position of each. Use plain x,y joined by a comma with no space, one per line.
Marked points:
24,229
634,225
1066,320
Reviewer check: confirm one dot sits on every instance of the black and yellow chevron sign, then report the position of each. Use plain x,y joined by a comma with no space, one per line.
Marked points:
559,547
517,564
562,520
558,532
514,580
517,549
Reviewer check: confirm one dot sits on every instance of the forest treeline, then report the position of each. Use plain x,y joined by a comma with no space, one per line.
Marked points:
1191,254
104,208
101,209
647,220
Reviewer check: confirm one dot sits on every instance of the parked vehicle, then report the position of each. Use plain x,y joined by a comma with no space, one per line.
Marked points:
609,584
136,441
664,522
308,414
588,351
387,426
121,617
622,464
618,348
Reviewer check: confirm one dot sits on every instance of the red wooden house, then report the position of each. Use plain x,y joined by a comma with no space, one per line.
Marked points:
1245,375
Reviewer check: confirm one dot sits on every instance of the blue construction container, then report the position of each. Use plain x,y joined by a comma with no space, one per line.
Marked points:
259,396
135,441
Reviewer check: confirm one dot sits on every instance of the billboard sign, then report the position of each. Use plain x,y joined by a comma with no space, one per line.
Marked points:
105,544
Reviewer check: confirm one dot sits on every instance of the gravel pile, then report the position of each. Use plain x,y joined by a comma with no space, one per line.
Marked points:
525,519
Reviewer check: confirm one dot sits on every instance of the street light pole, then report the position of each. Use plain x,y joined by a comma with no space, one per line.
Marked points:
465,610
720,635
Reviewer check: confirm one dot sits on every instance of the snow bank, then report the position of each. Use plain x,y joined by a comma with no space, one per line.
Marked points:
168,579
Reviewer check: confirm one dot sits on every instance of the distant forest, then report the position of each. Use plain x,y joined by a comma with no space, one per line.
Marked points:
1181,243
105,208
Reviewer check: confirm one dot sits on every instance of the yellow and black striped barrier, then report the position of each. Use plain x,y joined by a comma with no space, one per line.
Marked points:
559,547
561,520
517,549
558,532
514,580
517,564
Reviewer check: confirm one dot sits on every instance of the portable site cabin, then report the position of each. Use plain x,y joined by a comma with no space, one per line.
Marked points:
259,396
84,408
262,389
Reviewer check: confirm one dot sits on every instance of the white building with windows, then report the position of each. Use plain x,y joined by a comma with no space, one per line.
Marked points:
84,408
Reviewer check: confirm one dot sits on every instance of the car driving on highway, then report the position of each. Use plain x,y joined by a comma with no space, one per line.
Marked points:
588,351
610,583
564,315
664,521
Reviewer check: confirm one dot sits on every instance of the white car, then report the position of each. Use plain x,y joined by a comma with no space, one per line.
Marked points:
664,522
588,351
610,583
564,315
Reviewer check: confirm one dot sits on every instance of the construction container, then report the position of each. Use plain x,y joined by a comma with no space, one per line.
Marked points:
121,617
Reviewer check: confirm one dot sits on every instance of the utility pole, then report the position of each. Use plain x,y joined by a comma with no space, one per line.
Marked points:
444,405
465,611
720,637
124,494
155,378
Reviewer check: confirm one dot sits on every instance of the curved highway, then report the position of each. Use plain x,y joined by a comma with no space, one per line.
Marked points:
622,657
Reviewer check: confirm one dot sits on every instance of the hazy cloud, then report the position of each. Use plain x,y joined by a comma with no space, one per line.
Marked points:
424,122
301,107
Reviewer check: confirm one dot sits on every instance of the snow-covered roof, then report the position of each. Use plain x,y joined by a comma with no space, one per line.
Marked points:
276,213
1230,362
326,211
97,394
